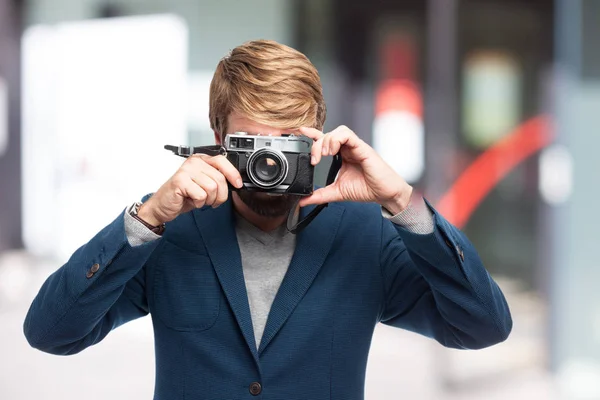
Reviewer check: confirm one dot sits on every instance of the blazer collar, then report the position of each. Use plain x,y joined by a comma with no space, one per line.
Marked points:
312,247
217,228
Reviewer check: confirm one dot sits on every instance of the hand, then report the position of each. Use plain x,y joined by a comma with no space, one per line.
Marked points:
200,181
364,176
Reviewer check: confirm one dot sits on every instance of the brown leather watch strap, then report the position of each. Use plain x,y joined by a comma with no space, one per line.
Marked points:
156,229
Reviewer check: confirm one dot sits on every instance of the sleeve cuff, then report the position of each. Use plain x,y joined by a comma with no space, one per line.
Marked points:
416,218
137,234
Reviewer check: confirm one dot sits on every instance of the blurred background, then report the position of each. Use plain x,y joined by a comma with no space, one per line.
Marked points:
490,108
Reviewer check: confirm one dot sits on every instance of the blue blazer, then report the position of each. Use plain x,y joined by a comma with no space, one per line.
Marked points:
352,268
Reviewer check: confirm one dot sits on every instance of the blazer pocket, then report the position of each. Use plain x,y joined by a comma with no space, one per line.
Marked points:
187,295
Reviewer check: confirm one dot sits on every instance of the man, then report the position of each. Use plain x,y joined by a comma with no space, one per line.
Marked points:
242,308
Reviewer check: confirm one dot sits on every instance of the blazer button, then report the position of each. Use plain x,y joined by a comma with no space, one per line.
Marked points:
95,268
255,388
89,274
461,254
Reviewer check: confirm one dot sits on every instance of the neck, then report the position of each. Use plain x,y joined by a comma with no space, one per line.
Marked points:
265,224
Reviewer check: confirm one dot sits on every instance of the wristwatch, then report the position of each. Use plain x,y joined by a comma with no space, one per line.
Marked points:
134,213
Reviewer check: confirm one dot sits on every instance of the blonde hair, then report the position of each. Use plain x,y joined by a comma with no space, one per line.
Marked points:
269,83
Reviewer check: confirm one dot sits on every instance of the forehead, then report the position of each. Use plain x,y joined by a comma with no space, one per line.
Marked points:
239,123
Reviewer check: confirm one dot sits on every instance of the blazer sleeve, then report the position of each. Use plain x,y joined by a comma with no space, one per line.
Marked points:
436,285
76,308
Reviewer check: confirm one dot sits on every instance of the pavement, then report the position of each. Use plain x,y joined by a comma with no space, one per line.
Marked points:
402,365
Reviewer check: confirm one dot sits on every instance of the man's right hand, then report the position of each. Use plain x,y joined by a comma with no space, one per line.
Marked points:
200,181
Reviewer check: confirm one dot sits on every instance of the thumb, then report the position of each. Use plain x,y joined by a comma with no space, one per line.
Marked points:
328,194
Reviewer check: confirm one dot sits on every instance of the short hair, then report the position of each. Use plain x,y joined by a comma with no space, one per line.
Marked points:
269,83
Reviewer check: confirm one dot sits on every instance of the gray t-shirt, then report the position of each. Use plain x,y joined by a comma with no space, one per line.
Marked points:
265,260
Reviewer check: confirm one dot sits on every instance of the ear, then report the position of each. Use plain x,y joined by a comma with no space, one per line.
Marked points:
217,138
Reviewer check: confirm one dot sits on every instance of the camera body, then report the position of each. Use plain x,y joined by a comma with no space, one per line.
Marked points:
272,164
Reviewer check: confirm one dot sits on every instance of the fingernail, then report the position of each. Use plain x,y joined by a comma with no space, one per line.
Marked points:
325,151
313,160
238,183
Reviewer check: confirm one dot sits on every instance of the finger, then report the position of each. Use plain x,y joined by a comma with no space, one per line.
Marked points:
326,144
328,194
312,133
222,189
208,185
205,162
335,143
342,136
317,136
226,168
349,140
327,140
195,193
315,152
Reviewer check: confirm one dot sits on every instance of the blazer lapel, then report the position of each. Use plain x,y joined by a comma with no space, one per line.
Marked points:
312,246
217,227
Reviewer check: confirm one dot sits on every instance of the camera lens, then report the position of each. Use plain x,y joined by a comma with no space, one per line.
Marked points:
267,168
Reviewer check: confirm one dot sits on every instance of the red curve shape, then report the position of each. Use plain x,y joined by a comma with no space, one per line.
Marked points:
475,183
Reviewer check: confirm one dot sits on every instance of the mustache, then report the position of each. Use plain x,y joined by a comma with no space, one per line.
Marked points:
266,205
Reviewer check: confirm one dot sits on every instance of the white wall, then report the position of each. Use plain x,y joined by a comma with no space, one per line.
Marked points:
215,26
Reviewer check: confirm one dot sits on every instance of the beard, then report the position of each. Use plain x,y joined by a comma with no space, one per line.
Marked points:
267,205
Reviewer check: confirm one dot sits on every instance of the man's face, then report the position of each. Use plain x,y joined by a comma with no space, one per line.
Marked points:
267,205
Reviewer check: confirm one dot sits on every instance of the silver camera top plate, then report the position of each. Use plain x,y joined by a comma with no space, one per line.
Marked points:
242,141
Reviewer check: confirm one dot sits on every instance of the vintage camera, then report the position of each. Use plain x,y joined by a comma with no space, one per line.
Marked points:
273,164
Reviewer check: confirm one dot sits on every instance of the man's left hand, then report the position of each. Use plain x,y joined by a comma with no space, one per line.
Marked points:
364,176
